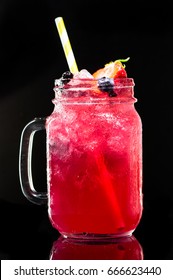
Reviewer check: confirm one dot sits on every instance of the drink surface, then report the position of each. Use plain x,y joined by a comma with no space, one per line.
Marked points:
94,165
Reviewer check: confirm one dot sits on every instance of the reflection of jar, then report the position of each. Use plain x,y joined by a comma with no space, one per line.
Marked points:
126,248
94,160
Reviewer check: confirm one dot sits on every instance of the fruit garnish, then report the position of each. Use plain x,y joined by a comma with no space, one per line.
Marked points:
112,70
107,85
66,77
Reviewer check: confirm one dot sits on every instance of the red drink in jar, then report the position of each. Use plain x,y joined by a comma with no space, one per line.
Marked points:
94,157
94,160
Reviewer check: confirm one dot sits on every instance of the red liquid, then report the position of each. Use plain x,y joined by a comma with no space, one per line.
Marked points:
94,168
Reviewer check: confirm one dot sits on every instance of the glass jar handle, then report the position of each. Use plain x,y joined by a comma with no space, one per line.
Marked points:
25,156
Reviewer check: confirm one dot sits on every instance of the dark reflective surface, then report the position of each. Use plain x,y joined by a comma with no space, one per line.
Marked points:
116,249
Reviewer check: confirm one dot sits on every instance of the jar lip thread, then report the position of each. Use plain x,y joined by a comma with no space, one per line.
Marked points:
119,90
90,101
88,82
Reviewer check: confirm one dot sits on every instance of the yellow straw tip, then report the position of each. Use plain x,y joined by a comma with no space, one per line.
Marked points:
58,19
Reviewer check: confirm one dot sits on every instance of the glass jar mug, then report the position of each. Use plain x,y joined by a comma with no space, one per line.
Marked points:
94,160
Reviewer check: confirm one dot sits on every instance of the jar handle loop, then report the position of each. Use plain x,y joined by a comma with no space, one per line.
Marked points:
25,162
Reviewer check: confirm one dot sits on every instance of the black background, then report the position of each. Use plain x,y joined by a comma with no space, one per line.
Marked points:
31,57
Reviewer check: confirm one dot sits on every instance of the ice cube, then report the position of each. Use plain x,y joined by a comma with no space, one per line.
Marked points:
78,77
83,74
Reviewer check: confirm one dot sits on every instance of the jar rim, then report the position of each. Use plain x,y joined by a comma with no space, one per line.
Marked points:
89,89
92,82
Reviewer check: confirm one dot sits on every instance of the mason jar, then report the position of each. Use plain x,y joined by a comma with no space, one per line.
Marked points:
94,160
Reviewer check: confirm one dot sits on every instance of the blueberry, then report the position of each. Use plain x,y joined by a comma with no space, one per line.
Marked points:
66,77
107,85
112,93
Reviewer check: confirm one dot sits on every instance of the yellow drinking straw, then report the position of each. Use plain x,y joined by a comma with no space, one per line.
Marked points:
66,45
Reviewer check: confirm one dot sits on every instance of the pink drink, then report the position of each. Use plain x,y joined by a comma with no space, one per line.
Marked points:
94,158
